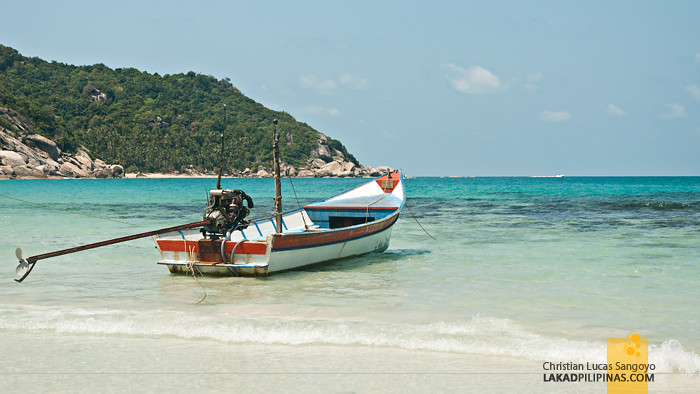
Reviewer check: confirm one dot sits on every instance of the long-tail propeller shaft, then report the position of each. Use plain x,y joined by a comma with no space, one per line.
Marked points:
26,265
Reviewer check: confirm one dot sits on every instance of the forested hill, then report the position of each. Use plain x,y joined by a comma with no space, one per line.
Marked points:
149,122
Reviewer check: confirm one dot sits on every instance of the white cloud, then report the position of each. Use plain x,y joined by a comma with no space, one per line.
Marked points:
353,81
474,80
615,110
550,116
317,83
694,90
316,110
675,111
532,80
326,85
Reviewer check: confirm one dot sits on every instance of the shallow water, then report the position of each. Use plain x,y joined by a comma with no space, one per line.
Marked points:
524,270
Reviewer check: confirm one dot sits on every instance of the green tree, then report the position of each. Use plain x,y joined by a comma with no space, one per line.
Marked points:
148,122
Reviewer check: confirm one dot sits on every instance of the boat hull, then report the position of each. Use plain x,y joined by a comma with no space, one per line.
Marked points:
353,223
286,252
295,253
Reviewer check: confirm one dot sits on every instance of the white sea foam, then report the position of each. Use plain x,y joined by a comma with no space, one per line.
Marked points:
671,356
480,335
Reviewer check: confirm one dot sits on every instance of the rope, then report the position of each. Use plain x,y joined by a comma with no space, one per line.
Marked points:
421,226
66,210
190,268
306,226
369,205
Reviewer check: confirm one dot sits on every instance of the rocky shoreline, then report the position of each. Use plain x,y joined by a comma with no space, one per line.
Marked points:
363,172
25,155
45,160
375,172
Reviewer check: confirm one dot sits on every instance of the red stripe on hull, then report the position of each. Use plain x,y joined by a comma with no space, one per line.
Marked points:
291,241
168,245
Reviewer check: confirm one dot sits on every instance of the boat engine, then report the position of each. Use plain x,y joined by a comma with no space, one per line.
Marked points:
226,211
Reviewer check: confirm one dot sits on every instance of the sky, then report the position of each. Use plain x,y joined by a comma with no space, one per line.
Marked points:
436,88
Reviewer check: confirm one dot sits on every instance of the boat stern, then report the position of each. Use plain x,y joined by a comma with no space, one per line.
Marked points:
212,256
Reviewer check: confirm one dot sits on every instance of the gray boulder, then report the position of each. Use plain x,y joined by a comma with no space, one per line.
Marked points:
71,170
12,159
262,172
331,169
117,171
373,172
305,173
29,172
6,170
84,160
384,169
104,172
44,144
321,150
316,163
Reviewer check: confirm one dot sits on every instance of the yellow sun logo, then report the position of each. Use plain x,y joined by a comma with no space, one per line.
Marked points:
632,347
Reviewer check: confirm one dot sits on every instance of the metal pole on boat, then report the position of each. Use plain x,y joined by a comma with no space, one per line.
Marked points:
221,169
27,265
278,182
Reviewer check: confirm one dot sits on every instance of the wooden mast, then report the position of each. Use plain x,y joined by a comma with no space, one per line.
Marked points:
221,169
278,182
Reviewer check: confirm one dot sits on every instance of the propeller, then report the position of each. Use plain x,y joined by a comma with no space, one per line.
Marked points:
24,267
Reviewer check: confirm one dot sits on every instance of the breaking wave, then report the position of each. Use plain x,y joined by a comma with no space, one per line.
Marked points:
480,335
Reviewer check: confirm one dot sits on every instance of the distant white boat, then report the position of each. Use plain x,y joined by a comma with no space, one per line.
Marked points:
548,176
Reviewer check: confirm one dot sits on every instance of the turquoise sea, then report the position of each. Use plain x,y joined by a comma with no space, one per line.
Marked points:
523,271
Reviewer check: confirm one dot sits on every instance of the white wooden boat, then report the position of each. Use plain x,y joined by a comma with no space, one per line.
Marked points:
356,222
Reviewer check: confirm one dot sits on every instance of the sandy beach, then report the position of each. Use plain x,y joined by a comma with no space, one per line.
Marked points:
169,175
154,175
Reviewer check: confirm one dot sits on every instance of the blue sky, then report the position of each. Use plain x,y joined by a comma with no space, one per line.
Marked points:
434,88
